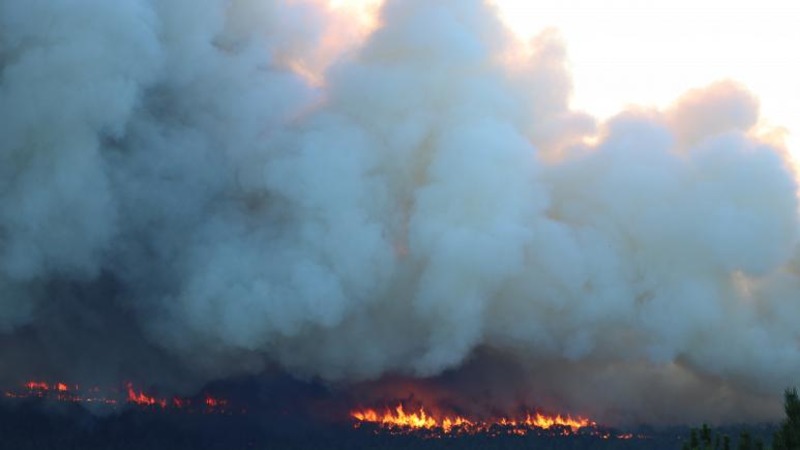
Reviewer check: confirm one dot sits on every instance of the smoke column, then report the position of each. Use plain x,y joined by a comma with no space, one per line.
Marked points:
191,191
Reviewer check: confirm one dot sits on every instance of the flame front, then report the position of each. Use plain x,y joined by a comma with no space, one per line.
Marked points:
398,420
546,422
63,392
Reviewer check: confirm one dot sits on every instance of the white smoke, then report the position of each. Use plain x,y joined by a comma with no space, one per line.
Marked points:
428,197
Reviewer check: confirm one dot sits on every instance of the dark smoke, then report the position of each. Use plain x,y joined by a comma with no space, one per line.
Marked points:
197,190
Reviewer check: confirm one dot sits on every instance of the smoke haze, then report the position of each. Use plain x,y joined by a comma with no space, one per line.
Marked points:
196,190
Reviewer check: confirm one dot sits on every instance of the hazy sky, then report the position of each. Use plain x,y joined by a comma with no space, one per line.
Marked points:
629,51
625,52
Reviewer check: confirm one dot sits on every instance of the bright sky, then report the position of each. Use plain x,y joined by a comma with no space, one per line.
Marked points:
649,52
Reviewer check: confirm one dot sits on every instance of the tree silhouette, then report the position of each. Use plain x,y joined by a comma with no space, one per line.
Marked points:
745,443
705,435
788,435
694,441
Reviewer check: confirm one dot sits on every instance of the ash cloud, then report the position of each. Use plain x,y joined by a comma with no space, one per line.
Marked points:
181,202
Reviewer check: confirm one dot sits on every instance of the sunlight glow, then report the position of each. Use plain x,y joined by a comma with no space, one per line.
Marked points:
647,53
631,52
364,11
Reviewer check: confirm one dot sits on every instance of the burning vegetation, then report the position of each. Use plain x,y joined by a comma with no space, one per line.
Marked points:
401,420
129,396
284,413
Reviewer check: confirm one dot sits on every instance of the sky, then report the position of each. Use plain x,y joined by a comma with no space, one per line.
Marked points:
648,53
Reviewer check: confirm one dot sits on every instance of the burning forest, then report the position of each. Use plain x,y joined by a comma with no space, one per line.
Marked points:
40,414
384,219
117,398
418,421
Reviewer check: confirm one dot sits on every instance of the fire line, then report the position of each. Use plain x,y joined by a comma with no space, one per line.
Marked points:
399,420
63,392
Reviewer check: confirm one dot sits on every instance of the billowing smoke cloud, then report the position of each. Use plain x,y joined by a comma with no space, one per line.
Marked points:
187,195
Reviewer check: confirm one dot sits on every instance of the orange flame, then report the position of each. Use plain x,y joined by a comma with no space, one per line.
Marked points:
546,422
63,392
399,420
141,398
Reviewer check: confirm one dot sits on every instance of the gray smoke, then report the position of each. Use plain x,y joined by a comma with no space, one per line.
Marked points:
178,204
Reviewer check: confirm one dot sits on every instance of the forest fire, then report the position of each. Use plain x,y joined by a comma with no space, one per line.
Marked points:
63,392
241,419
399,420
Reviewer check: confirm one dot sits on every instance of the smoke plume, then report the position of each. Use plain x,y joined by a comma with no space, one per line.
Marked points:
196,190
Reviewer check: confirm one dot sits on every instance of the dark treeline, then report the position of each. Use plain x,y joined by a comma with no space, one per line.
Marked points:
786,437
37,425
40,425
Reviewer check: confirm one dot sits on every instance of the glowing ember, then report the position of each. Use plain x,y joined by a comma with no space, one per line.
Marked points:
398,420
212,402
37,385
